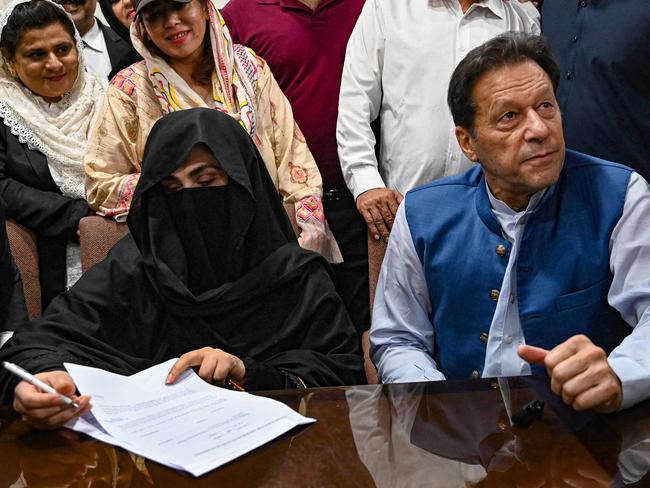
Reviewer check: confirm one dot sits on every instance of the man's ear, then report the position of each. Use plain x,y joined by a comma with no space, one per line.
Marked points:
466,143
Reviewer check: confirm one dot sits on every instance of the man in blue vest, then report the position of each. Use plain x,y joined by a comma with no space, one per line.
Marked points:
537,258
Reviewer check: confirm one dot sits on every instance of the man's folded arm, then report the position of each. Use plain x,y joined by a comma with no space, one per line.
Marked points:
401,336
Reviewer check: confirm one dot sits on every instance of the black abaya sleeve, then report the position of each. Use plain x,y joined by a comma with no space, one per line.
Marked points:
114,319
93,323
321,345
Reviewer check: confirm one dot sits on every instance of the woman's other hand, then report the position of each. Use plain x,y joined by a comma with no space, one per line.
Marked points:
215,366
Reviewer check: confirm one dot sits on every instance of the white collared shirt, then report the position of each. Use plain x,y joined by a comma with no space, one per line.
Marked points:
398,64
402,338
96,52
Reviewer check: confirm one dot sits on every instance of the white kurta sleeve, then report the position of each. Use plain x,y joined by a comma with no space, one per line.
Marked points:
360,101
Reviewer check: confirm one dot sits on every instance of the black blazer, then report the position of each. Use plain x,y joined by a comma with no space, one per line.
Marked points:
120,52
32,199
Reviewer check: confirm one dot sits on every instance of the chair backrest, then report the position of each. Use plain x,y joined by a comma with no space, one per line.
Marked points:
376,251
97,236
22,242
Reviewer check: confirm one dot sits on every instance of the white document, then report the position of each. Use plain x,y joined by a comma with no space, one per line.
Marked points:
190,425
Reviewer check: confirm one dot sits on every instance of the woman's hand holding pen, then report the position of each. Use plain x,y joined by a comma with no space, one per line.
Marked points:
215,366
48,410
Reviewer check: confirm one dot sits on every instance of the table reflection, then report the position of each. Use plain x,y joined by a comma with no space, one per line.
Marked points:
634,459
382,420
444,435
63,458
439,434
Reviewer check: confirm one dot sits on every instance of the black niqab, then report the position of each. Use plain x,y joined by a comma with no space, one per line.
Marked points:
201,217
257,222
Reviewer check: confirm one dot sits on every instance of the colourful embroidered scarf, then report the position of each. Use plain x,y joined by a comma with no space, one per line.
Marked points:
233,81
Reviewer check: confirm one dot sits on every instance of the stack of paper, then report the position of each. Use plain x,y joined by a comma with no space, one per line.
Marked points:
190,425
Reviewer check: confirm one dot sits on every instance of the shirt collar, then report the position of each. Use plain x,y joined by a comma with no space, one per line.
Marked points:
92,39
500,207
494,6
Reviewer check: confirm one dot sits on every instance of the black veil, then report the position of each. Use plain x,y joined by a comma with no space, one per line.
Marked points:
258,221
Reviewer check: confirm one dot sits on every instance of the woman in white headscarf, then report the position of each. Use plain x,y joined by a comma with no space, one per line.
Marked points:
48,105
190,61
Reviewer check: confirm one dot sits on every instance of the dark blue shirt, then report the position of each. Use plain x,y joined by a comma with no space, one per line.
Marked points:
603,47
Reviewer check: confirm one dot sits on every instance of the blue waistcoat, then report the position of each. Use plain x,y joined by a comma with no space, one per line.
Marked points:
562,271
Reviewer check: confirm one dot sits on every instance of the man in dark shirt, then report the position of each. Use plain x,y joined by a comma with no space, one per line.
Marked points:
604,92
304,42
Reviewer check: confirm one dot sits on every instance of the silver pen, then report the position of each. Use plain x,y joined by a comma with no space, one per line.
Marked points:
21,373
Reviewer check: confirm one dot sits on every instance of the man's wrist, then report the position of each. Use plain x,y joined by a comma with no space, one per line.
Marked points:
634,381
363,180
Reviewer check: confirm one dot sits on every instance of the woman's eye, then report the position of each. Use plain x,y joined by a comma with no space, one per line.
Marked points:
170,186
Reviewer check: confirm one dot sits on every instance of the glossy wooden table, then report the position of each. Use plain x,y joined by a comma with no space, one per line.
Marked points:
444,434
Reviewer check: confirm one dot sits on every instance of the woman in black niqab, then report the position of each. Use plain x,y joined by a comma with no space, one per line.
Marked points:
247,209
214,267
